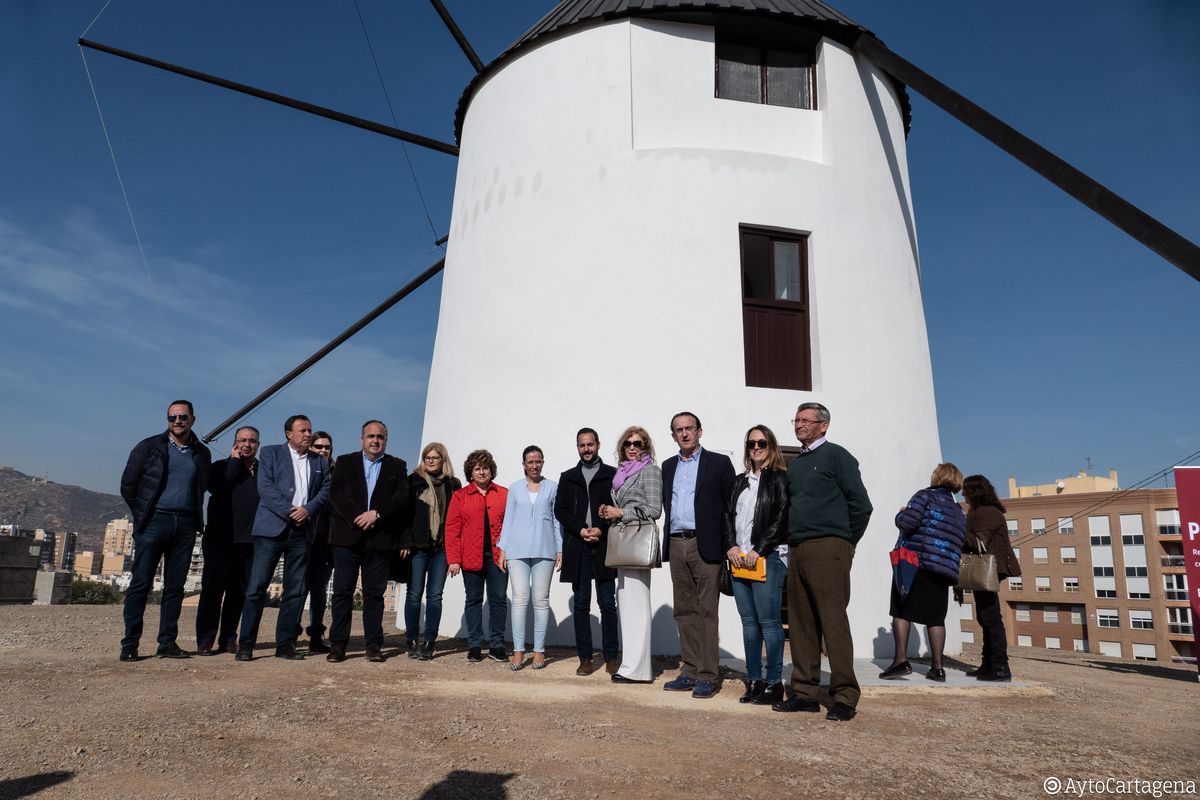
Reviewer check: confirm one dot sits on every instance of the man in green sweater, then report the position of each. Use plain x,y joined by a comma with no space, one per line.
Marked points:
828,515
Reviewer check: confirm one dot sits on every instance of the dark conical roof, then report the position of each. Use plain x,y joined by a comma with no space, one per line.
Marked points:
815,15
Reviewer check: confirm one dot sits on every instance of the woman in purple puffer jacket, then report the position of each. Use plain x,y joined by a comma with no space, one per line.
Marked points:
934,527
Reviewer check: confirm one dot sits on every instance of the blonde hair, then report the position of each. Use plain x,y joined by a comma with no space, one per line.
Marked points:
947,476
447,466
640,431
774,456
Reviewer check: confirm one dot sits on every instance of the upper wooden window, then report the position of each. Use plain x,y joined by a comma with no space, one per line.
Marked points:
775,318
770,75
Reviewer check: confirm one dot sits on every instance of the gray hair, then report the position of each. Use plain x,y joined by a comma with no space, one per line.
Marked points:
822,411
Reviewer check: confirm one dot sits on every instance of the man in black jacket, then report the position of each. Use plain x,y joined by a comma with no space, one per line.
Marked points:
228,546
163,484
581,491
696,486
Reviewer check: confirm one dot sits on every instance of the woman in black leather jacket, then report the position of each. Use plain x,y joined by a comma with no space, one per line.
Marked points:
755,537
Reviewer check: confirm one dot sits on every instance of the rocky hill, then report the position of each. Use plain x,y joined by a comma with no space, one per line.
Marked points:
30,502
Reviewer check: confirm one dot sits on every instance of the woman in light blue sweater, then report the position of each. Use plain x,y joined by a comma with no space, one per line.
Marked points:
531,550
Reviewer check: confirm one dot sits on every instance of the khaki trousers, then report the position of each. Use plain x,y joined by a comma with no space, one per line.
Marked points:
695,586
818,587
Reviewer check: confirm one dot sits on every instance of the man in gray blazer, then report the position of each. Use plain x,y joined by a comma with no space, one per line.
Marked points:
293,485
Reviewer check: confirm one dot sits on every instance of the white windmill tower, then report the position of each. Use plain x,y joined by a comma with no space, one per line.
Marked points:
688,206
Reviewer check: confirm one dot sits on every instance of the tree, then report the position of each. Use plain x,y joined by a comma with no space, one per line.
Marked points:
93,593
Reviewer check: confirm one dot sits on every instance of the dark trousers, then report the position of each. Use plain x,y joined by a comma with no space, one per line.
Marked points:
995,641
375,566
168,538
292,546
696,590
818,587
320,568
496,583
222,590
581,606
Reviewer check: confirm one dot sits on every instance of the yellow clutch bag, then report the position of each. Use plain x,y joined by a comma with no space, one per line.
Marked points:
757,573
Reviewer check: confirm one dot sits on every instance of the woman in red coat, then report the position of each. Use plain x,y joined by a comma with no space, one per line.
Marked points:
473,523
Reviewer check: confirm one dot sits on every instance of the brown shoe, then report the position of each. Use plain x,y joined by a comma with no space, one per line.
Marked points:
586,667
231,647
337,653
375,655
612,665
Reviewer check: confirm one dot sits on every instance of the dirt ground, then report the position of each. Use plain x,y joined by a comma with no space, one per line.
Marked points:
75,723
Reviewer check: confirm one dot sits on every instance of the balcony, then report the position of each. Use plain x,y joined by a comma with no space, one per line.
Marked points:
1170,532
1175,595
1173,561
1179,629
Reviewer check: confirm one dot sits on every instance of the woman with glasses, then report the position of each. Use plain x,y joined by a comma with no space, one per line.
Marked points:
320,558
637,494
754,535
430,487
531,550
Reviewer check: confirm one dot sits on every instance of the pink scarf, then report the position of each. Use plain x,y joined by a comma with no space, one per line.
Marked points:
628,469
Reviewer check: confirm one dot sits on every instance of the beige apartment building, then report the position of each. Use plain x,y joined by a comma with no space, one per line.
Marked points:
1102,572
118,537
88,563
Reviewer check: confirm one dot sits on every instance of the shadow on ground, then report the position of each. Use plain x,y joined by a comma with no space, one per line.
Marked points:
32,784
476,785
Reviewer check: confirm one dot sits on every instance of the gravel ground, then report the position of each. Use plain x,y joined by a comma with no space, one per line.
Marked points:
76,723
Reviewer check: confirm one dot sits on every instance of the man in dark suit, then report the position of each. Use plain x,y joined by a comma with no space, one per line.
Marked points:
696,486
227,545
293,485
163,484
369,500
581,491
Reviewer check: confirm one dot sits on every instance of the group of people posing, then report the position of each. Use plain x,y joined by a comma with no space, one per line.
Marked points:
363,519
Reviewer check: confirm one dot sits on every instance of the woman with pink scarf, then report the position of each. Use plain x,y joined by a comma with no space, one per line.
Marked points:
637,494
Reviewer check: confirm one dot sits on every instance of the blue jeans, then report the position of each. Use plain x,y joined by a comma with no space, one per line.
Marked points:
292,545
758,603
168,538
429,578
496,582
526,574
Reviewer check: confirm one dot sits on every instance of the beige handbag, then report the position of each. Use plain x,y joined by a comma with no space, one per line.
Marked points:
977,571
633,544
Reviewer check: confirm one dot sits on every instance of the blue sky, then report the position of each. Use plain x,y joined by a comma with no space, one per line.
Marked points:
1054,336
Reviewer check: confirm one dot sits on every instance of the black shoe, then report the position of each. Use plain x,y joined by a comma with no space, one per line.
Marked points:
288,652
414,651
769,696
840,712
244,653
130,654
173,651
375,654
315,645
206,650
337,653
981,669
425,653
796,704
937,674
997,675
753,690
475,655
619,678
896,671
498,654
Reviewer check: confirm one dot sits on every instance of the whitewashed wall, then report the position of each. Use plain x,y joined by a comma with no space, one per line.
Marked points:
593,275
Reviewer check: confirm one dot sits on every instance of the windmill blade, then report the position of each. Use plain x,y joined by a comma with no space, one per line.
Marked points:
458,35
1120,212
337,341
290,102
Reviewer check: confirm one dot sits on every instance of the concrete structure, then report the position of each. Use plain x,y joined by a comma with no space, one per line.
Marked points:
52,589
115,564
88,563
604,191
1101,575
118,537
1075,484
18,569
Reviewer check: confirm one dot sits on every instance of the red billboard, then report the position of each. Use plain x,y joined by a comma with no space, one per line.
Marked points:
1187,489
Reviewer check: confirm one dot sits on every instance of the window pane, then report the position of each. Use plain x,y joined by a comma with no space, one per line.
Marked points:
756,266
788,82
787,271
739,73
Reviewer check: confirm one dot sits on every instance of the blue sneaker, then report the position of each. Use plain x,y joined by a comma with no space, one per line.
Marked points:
681,684
704,690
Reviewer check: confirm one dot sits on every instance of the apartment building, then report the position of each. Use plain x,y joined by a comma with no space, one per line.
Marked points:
1102,572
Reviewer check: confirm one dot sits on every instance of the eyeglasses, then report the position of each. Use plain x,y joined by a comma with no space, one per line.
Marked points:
756,444
320,447
684,429
638,443
799,421
178,417
432,457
